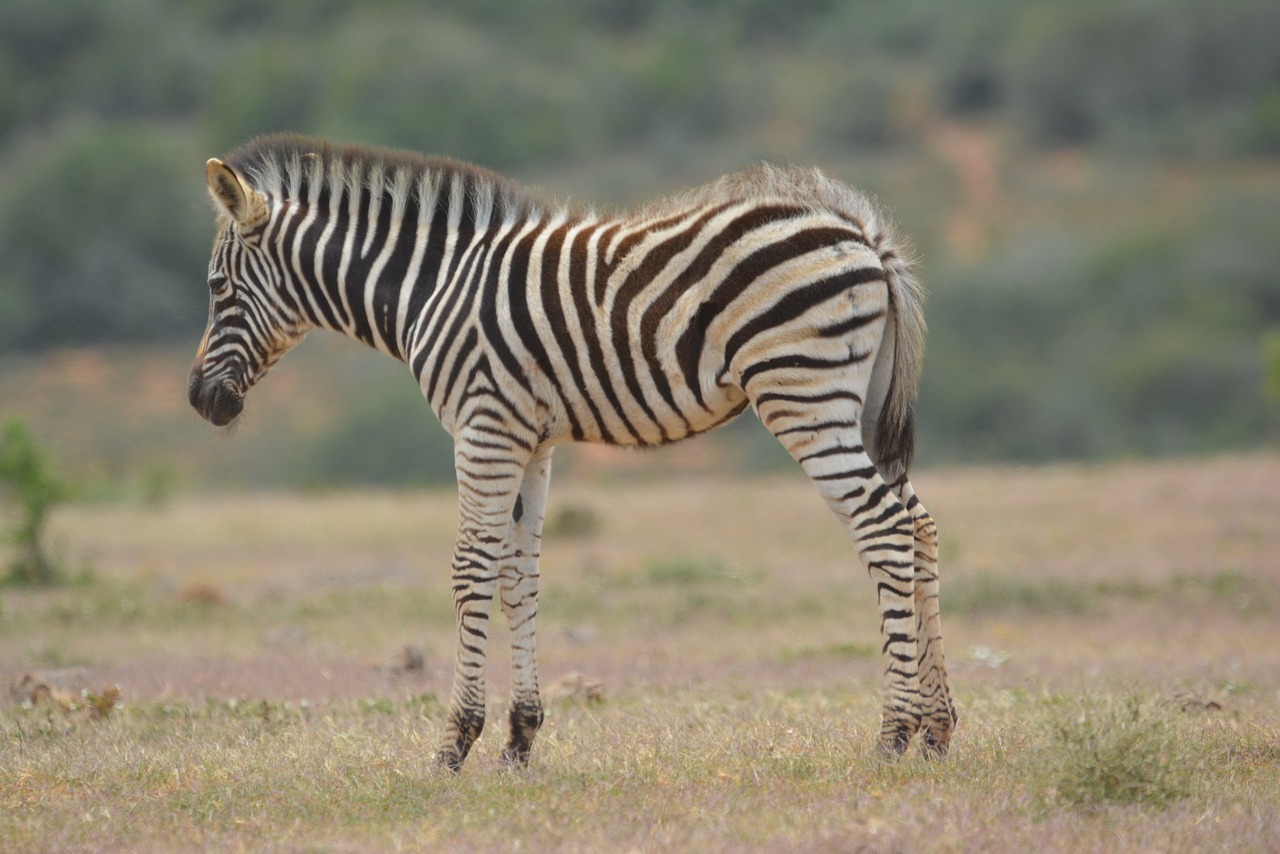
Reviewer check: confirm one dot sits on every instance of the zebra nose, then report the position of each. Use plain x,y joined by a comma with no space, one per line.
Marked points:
217,402
224,406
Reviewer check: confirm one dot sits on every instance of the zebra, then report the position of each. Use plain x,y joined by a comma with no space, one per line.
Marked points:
529,323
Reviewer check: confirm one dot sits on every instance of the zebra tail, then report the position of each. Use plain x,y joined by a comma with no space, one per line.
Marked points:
896,428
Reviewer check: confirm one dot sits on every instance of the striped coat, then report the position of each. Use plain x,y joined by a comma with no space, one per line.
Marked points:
529,324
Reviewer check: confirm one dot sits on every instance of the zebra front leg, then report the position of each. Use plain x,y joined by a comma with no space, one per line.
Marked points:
488,483
939,714
518,592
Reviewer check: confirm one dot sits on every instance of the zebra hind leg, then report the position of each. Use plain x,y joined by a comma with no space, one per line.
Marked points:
939,714
818,425
518,592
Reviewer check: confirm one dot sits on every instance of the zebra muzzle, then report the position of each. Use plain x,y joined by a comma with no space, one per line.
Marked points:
217,402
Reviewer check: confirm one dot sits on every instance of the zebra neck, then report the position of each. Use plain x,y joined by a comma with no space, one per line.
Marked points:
373,260
365,264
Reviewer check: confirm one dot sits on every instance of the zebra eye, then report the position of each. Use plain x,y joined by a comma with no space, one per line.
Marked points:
218,283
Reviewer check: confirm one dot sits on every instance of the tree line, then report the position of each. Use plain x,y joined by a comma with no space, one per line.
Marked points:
1070,339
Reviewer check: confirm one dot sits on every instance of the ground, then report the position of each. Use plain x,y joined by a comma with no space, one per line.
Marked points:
281,663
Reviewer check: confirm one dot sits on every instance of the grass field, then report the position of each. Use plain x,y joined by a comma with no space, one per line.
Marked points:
233,674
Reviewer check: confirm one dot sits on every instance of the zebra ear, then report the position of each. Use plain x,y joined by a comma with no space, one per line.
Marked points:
234,198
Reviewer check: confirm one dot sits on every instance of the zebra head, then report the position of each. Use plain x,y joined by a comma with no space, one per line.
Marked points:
251,323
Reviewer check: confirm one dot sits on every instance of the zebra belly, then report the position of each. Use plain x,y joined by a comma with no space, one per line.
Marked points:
644,423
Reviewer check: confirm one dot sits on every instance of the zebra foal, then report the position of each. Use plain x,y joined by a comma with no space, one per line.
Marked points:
528,324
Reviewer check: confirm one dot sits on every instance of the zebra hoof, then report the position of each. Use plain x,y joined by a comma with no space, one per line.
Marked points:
893,746
514,758
450,759
935,746
935,741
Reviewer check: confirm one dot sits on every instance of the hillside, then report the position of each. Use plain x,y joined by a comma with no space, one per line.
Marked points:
1091,189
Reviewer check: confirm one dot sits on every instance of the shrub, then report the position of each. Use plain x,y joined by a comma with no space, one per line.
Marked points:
1121,750
27,475
570,521
1271,373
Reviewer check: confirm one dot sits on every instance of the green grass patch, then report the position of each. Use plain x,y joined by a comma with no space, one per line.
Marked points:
663,591
834,650
572,521
689,572
997,594
1123,750
665,770
989,593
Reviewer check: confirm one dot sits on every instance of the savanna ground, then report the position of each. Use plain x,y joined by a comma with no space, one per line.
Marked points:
233,675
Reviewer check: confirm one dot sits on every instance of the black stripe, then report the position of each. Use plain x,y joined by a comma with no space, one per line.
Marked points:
877,495
458,280
460,296
795,397
766,258
391,282
656,260
488,312
882,586
466,230
834,450
795,303
604,270
509,417
518,289
329,311
814,428
560,334
579,252
432,258
798,361
839,475
888,513
358,264
468,345
689,343
850,324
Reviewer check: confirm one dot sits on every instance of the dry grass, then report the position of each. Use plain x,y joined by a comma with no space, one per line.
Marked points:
1113,633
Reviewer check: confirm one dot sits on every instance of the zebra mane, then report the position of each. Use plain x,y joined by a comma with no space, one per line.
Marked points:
289,165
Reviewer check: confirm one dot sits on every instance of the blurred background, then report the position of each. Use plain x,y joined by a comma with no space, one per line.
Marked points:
1094,189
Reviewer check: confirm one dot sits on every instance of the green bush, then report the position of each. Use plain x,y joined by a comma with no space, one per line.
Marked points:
572,521
105,235
28,477
1122,751
1153,73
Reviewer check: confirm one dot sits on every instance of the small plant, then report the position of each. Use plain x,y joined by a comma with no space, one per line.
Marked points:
159,482
28,477
834,650
1122,751
1271,374
986,593
571,521
685,571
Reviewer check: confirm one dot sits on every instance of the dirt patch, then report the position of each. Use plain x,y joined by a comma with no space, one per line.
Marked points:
281,676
